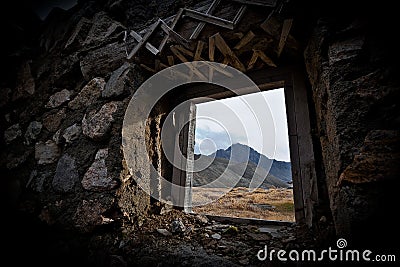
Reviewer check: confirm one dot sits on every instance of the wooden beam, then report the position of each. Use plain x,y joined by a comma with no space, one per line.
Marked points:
201,25
209,19
245,40
144,39
259,54
157,63
184,50
287,25
253,60
199,49
171,60
228,53
265,58
179,55
147,68
174,22
211,48
239,15
173,35
148,45
269,3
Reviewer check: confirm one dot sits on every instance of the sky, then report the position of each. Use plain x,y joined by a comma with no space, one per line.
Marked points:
257,120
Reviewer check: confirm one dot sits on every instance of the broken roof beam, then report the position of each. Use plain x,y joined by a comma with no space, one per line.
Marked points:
245,40
287,25
174,22
173,35
149,46
193,69
201,25
209,19
227,52
239,15
268,3
144,39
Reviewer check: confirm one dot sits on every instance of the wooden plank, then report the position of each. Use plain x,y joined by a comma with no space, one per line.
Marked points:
294,151
239,15
163,66
144,39
306,154
174,22
157,63
148,45
253,60
265,58
228,53
287,25
179,55
217,68
171,60
173,35
209,19
184,50
211,48
245,40
269,3
148,68
199,49
201,25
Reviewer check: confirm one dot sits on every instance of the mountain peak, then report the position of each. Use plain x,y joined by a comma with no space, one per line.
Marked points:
241,153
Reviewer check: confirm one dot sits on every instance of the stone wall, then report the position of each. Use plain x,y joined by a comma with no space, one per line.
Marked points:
61,155
62,111
354,79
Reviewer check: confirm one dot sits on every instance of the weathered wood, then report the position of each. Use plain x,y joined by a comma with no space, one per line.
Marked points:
209,19
306,154
269,3
148,45
144,39
239,15
228,53
148,68
199,49
163,66
173,35
245,40
265,58
253,60
179,55
174,22
184,50
211,48
201,25
171,60
287,25
157,63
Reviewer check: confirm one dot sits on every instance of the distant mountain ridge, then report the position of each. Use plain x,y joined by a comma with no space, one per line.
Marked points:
242,153
222,174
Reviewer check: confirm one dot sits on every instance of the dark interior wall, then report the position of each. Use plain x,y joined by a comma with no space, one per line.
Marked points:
351,64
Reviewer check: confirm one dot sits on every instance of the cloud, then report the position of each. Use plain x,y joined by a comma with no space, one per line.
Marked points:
258,120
